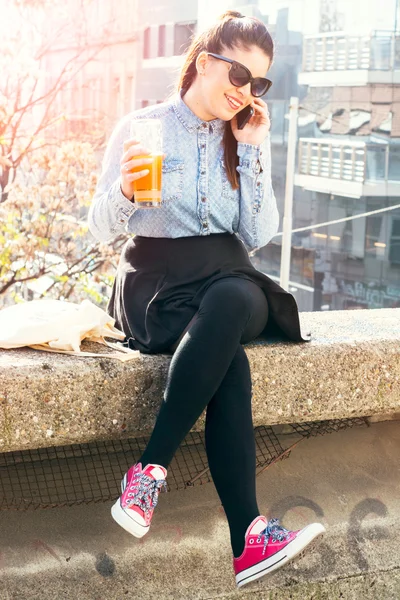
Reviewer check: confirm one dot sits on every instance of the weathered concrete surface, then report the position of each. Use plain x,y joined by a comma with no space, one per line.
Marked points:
351,368
377,586
349,481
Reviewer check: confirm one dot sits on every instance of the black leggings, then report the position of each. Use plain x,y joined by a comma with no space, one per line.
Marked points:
210,369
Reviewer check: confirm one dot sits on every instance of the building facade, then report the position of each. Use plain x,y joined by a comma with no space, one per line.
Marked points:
166,28
348,164
94,58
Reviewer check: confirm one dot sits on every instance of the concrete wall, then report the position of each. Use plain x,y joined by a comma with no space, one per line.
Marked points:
350,368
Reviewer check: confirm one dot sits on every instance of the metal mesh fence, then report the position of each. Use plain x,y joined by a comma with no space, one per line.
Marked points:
321,427
87,473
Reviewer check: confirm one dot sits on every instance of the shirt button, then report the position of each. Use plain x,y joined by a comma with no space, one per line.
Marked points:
204,199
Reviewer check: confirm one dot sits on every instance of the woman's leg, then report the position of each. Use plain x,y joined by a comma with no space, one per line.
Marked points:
231,449
228,314
229,432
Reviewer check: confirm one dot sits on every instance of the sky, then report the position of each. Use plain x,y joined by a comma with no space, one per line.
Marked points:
360,15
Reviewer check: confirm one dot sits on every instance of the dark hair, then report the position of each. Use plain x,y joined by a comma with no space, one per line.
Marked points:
231,30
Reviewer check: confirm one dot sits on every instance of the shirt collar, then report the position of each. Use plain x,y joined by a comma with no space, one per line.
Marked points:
191,121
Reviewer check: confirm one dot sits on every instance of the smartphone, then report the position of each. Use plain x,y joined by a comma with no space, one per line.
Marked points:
244,116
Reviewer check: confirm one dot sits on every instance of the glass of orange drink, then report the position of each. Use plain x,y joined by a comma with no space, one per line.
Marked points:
147,189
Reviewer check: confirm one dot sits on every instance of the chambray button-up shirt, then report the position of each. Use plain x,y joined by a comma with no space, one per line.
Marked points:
196,197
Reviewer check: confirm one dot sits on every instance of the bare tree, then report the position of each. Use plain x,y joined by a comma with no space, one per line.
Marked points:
48,172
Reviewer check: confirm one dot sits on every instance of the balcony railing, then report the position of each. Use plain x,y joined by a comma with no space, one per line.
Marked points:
358,162
379,51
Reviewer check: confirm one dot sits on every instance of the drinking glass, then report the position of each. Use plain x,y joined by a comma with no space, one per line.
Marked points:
147,189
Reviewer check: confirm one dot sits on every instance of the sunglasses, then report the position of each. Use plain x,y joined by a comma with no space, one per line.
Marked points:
239,75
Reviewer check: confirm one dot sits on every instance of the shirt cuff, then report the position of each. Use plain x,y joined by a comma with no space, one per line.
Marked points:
123,207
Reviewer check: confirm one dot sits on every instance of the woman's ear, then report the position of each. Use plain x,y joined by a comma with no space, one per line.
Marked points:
201,63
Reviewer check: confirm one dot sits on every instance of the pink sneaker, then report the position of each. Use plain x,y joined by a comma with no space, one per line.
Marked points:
140,488
279,546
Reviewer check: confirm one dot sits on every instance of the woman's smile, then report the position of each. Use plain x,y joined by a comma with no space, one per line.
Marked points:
234,103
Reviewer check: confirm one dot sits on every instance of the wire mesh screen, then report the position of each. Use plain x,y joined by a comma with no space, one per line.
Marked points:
321,427
87,473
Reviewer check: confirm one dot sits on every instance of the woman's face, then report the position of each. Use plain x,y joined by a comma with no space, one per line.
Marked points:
219,98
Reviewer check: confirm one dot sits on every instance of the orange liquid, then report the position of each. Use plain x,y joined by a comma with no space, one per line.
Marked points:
147,189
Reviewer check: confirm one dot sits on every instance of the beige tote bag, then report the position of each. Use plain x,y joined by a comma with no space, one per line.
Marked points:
60,326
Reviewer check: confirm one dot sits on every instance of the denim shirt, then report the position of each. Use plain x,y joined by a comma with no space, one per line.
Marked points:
197,197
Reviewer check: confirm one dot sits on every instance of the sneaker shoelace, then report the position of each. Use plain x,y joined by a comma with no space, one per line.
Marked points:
145,490
274,529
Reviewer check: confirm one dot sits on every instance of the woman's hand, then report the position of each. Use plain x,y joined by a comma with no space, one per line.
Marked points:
256,130
132,149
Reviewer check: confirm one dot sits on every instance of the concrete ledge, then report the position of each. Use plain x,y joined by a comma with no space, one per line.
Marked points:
350,368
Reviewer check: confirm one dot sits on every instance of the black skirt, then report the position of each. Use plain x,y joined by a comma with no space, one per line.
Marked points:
160,283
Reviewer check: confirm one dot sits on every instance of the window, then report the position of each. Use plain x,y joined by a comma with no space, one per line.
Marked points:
394,163
397,47
381,47
76,96
161,40
128,93
183,33
374,236
146,43
394,250
87,103
376,160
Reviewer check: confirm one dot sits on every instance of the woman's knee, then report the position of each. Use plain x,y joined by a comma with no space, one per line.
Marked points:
229,296
258,320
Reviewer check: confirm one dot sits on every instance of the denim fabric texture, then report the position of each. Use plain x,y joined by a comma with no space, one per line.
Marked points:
197,198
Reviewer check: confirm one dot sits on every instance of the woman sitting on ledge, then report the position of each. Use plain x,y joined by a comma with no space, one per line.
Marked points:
185,284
